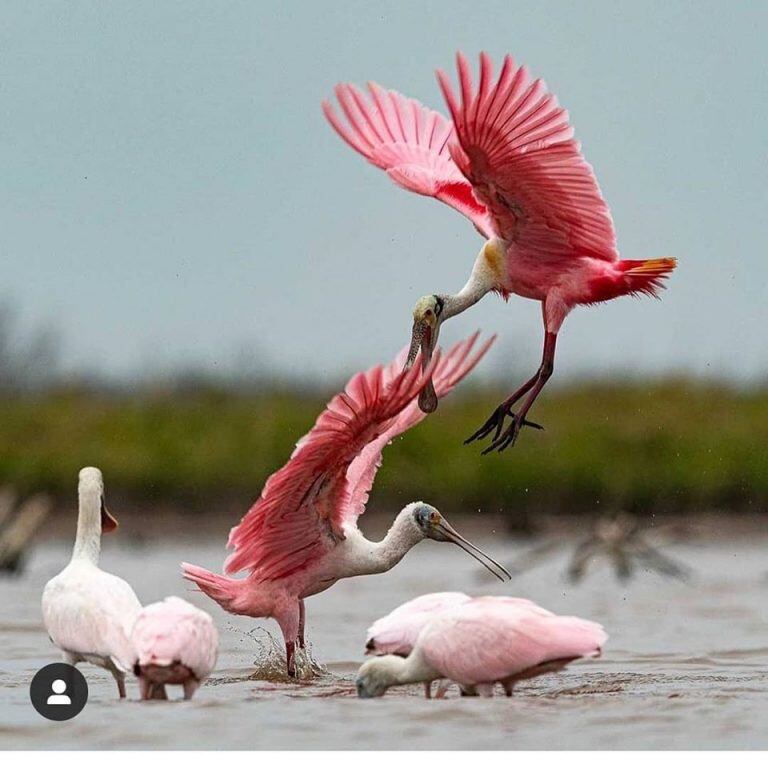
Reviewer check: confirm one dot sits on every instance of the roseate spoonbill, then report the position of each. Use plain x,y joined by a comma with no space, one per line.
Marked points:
485,641
174,643
87,612
301,536
396,632
508,161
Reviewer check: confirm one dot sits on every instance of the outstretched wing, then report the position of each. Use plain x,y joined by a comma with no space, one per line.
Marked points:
297,517
409,142
451,369
516,146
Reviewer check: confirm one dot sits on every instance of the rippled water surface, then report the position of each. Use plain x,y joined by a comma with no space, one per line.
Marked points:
686,665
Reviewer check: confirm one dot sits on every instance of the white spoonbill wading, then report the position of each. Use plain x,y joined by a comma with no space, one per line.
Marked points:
301,536
508,161
174,644
87,612
485,641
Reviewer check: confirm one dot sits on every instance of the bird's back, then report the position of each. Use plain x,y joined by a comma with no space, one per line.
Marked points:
397,631
89,612
175,631
491,639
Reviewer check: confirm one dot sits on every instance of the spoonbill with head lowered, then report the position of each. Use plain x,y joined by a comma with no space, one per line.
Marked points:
87,612
484,641
301,536
174,644
508,161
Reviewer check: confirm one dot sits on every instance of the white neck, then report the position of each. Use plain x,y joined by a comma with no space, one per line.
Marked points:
481,280
88,541
396,670
402,536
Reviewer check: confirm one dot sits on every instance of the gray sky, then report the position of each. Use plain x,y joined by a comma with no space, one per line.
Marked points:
170,192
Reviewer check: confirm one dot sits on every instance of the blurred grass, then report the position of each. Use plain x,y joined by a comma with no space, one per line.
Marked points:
662,446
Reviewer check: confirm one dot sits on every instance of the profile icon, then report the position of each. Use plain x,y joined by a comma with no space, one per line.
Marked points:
58,691
58,697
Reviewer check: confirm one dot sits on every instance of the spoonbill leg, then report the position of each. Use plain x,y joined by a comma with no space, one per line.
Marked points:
532,388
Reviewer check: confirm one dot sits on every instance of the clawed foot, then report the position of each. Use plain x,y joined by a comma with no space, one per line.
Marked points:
501,440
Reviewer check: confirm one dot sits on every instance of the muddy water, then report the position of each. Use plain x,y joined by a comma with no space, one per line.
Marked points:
686,665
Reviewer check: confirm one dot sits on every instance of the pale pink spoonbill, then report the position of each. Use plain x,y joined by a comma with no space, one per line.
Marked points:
508,161
174,643
396,632
485,641
301,536
87,612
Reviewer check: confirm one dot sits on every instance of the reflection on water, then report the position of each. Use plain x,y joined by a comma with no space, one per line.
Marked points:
685,665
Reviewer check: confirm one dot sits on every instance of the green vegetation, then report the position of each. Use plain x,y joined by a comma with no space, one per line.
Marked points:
645,447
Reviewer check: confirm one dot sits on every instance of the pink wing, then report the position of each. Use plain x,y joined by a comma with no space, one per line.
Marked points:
516,147
301,510
397,631
451,369
489,639
409,142
174,630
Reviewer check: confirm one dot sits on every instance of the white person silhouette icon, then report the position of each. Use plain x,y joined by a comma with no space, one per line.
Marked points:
58,697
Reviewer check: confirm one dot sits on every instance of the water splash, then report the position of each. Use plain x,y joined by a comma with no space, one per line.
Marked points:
270,658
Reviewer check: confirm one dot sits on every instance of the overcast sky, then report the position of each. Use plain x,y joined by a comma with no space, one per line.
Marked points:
170,192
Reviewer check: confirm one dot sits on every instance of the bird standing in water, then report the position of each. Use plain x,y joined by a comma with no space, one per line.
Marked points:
301,536
89,613
508,161
485,641
174,644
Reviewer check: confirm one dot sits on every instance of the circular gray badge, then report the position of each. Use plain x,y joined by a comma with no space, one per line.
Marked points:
58,691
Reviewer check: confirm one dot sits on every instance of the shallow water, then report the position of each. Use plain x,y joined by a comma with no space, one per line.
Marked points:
685,666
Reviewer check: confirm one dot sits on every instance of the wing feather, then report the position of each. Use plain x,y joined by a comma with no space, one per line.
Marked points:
297,518
515,145
409,142
451,369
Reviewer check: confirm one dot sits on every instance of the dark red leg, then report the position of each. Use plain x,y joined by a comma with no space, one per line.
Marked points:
290,658
509,436
496,420
302,615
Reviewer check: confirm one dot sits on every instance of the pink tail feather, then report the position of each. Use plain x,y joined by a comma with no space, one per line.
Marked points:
225,591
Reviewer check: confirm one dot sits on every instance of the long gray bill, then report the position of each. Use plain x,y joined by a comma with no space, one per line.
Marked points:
421,337
496,568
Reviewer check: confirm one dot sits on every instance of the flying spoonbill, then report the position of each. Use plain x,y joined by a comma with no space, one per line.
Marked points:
508,161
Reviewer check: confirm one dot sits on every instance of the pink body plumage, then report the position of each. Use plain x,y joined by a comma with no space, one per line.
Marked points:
301,536
483,641
397,631
174,643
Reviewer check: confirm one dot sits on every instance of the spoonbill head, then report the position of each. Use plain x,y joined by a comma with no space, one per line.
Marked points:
484,641
301,536
508,161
